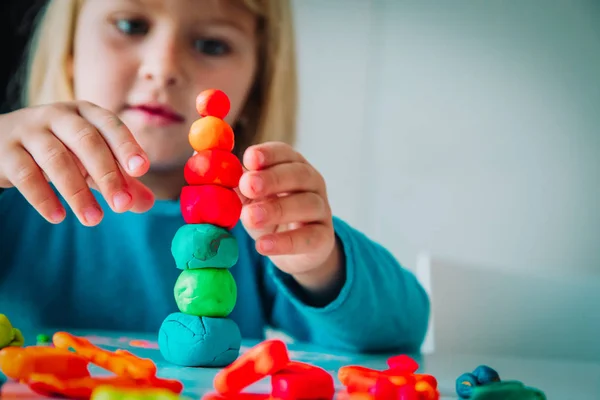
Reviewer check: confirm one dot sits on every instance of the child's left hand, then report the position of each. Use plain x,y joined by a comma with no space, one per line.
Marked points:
287,213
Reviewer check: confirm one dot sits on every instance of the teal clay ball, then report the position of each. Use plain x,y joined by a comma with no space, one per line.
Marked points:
197,246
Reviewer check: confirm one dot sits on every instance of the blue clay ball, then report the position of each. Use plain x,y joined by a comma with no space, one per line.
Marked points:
486,375
465,385
192,341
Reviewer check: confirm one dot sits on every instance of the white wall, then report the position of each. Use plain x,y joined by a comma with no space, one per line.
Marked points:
466,128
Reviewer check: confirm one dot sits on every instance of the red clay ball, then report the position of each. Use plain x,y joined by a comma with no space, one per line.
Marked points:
210,204
213,167
213,102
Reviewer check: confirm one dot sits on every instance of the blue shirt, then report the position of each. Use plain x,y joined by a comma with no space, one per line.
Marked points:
120,275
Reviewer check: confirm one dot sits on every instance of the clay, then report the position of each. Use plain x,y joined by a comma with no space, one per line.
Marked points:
300,380
107,392
218,167
192,341
210,204
197,246
508,390
206,292
213,102
20,363
211,133
262,360
465,384
9,336
485,375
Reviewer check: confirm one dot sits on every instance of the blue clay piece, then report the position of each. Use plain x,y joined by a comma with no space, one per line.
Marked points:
193,341
465,385
486,375
197,246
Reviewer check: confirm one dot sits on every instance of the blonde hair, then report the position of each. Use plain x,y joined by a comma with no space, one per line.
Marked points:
269,113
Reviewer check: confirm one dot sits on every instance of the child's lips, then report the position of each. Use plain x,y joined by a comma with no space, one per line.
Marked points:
159,114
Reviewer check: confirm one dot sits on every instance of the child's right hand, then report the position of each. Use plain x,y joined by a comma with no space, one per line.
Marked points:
76,146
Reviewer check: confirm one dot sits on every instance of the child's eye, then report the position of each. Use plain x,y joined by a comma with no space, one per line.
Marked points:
212,47
132,26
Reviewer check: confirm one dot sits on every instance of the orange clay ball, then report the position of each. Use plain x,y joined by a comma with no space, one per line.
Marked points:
213,103
211,133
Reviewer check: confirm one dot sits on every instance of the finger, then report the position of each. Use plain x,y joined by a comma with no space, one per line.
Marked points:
303,240
243,198
24,174
143,198
91,150
56,161
281,178
302,207
119,138
268,154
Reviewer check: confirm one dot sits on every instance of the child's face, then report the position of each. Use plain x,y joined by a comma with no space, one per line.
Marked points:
147,60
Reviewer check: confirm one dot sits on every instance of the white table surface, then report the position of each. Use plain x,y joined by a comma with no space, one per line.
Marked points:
559,379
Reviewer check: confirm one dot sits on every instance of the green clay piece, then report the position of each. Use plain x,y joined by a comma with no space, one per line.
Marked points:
18,340
197,246
9,336
507,390
206,292
42,338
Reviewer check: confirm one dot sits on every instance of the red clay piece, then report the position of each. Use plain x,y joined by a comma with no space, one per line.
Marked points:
210,204
213,102
262,360
218,167
304,381
403,363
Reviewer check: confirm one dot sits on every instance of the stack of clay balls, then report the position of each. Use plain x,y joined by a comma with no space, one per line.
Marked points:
202,334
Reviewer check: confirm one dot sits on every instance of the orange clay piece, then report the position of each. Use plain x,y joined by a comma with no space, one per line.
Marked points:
121,362
344,395
210,133
426,392
213,102
19,363
82,388
430,379
264,359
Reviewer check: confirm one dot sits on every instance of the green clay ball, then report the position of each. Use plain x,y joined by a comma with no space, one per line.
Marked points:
206,292
197,246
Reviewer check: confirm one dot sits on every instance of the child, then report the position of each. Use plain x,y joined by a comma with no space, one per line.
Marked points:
110,97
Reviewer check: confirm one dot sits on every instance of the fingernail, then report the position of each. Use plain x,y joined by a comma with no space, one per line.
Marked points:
267,245
260,157
92,214
258,214
257,184
57,215
135,162
121,200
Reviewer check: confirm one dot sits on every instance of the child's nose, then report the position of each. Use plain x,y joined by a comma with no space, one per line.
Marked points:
162,67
